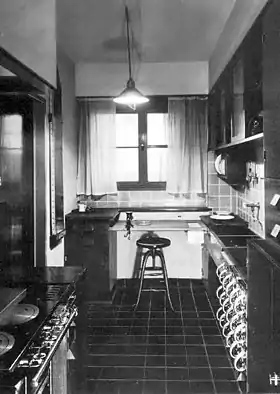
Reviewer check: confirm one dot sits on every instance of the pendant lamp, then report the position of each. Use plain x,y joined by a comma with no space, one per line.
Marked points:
130,95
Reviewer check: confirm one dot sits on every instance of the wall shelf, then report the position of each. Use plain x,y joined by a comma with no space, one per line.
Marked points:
255,137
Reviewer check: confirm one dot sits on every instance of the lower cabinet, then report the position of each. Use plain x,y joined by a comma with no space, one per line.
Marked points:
87,245
263,319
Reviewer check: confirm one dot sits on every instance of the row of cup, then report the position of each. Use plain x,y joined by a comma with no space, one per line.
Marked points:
232,315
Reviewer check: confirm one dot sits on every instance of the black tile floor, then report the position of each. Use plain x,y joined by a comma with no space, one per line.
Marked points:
155,350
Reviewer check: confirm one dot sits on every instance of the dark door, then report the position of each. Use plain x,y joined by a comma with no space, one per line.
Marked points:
16,180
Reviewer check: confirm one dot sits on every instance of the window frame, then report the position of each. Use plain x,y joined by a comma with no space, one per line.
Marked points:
155,105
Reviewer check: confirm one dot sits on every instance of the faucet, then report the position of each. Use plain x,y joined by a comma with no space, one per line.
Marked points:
128,225
257,206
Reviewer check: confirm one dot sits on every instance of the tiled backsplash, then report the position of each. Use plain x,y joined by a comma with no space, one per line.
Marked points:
143,198
222,197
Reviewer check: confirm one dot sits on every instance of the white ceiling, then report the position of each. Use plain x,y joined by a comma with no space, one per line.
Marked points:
163,30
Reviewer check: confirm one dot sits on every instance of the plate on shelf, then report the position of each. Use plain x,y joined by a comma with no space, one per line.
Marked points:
217,164
222,216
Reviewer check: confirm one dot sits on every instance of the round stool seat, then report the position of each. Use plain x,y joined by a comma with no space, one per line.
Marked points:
153,242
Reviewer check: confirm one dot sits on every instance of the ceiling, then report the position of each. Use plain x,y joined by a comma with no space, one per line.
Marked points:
162,30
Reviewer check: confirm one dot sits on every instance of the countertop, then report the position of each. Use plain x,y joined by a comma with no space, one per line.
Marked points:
232,237
165,225
16,276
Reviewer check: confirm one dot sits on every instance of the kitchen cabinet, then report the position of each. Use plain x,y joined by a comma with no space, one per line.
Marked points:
271,83
220,119
253,78
263,316
238,110
235,102
87,244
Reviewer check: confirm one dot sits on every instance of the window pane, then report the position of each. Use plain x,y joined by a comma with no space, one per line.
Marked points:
157,164
156,129
127,165
11,131
127,129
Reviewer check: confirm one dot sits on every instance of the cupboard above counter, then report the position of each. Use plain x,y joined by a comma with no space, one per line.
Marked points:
235,102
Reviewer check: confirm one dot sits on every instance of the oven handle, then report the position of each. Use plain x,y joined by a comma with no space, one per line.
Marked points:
35,380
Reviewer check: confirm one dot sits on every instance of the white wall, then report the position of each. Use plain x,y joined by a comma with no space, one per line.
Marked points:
240,20
55,257
183,257
28,32
95,79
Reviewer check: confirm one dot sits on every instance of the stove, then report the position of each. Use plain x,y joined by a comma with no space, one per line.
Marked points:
30,339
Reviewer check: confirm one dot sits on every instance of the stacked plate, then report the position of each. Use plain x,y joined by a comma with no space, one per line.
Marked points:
222,215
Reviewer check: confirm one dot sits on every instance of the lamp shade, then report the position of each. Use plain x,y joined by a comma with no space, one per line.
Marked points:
130,95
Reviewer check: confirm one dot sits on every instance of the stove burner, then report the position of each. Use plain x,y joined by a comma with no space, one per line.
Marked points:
6,342
23,313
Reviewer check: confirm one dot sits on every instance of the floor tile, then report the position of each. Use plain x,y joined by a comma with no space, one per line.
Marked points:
219,361
155,361
223,374
176,387
175,339
197,361
202,387
175,349
213,340
153,387
106,387
176,361
215,350
201,373
130,387
195,350
122,373
194,339
154,373
155,350
227,387
177,373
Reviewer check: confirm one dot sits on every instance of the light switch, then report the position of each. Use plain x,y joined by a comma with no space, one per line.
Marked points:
275,200
275,231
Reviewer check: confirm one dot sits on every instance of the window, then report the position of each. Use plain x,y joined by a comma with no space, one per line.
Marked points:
141,141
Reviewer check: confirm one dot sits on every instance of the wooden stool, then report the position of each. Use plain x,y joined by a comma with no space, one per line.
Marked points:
154,246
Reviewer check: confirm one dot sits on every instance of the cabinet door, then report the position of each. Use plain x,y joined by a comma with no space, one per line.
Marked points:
238,129
214,119
253,79
262,358
271,83
87,245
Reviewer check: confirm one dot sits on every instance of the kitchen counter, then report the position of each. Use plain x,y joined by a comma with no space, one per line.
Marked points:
231,238
15,276
163,208
156,225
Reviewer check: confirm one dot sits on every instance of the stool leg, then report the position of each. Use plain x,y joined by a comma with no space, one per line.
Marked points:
145,259
160,254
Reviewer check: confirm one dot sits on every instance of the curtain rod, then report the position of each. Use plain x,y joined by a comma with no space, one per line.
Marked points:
174,97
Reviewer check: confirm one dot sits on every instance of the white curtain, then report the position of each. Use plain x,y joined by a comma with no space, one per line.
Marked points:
187,146
97,148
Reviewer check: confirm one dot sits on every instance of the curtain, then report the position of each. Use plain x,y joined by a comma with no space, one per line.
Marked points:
97,148
187,143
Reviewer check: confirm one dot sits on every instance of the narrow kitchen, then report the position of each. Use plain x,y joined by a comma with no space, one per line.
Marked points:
139,196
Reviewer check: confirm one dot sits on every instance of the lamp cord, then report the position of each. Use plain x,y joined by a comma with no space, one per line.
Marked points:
128,42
